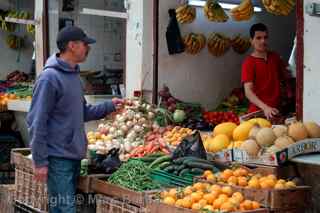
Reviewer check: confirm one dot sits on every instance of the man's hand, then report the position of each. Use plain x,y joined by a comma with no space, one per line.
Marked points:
40,174
270,112
118,103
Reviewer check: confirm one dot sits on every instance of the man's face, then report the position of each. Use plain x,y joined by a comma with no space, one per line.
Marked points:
80,50
260,41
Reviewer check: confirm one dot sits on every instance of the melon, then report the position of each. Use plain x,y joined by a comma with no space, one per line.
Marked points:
283,142
297,131
273,149
313,129
254,131
251,147
261,121
242,131
218,143
280,130
225,128
265,137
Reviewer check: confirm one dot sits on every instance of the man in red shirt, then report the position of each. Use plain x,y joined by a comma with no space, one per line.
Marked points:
262,74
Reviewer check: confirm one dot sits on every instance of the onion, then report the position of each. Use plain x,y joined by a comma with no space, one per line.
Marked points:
138,116
121,119
151,115
148,107
129,124
131,136
124,128
137,128
130,114
112,129
127,147
99,143
118,116
142,121
119,133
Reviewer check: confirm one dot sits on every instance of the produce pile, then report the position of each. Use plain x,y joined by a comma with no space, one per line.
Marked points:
279,7
134,175
235,102
126,131
207,197
218,44
214,12
240,44
174,136
243,177
194,43
243,12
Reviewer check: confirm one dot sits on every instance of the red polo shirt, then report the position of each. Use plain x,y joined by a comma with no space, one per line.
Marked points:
265,76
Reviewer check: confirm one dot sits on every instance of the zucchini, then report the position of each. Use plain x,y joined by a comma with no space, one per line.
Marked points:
182,159
181,167
197,171
164,165
176,173
159,161
169,169
184,172
148,159
201,165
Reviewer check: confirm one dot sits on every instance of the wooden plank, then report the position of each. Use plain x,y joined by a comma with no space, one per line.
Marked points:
39,36
107,13
21,21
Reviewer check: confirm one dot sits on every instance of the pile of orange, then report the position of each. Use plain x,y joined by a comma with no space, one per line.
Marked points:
205,196
242,177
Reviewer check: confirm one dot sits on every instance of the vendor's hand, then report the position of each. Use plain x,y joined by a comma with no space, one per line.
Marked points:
270,112
40,174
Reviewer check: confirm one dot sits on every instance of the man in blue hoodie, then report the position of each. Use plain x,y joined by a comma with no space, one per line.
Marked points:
56,120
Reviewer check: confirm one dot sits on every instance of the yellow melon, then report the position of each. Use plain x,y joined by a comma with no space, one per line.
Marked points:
313,129
241,133
218,143
251,147
225,128
261,121
297,131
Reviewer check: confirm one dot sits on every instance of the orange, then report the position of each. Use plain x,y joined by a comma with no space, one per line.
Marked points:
188,190
206,186
196,206
198,186
164,194
227,207
243,172
279,186
187,202
195,197
226,174
238,196
223,197
216,188
179,203
215,194
202,202
262,179
264,185
233,180
237,172
247,204
169,200
234,201
217,203
273,177
211,178
270,182
254,183
173,193
209,198
207,172
227,190
242,181
255,205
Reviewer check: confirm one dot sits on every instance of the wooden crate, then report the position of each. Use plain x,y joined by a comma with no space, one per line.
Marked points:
20,160
136,198
106,204
158,207
288,210
298,197
7,197
283,172
31,192
85,182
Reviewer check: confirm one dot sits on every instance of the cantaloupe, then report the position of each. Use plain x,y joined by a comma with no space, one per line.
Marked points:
242,131
283,142
225,128
280,130
313,129
218,143
261,121
265,137
251,147
254,131
297,131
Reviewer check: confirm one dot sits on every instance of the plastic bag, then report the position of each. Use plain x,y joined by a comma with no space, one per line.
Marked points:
112,162
190,146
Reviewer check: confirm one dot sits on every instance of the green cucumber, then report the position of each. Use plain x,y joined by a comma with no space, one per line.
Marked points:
201,165
182,159
184,172
159,161
181,167
176,172
169,169
197,171
164,165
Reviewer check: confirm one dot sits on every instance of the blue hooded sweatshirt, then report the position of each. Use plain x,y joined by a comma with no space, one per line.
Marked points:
58,112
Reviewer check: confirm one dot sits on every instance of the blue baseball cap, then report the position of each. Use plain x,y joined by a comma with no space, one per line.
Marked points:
73,33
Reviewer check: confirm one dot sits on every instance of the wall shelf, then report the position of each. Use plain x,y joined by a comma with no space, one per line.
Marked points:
108,13
20,21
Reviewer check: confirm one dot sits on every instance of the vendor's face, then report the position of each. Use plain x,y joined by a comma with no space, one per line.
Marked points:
80,50
260,41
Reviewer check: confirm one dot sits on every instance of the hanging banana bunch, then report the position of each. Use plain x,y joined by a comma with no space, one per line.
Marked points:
218,44
194,43
185,14
243,12
214,12
240,44
279,7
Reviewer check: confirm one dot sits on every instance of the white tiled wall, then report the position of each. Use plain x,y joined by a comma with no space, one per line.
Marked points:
109,32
